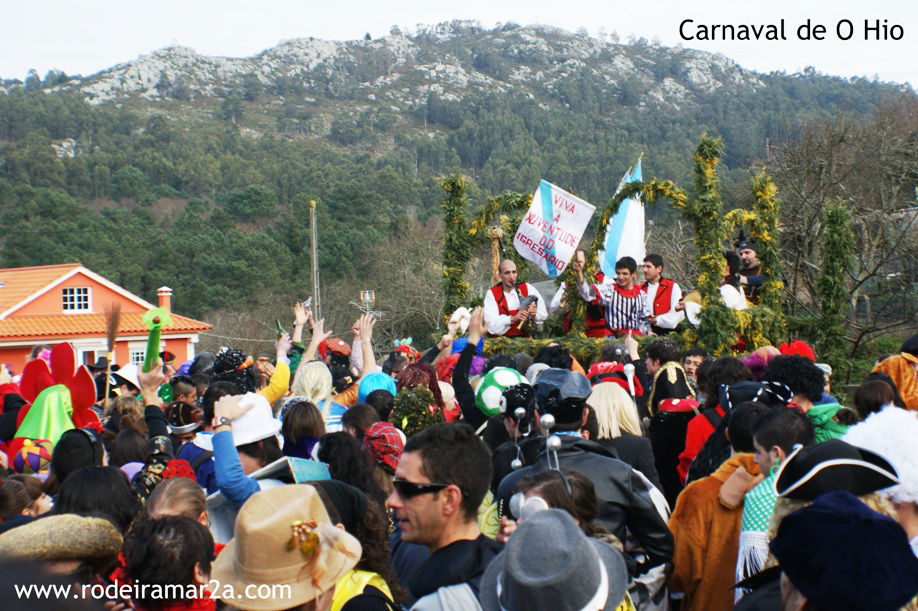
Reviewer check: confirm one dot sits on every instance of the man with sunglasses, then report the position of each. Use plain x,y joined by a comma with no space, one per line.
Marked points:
440,481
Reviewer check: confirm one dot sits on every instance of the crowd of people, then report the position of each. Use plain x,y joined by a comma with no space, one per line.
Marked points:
654,478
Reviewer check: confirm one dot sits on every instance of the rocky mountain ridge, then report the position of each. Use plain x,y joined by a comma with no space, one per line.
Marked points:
447,60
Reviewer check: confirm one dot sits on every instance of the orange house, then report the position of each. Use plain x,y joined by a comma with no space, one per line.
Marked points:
48,304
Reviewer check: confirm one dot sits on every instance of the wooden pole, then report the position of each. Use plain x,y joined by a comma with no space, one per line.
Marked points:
315,259
496,234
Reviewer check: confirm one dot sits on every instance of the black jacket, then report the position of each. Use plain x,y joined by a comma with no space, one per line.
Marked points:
666,433
502,458
407,560
637,452
624,499
462,561
12,403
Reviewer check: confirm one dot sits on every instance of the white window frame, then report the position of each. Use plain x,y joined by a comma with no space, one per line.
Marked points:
141,347
86,310
134,348
88,345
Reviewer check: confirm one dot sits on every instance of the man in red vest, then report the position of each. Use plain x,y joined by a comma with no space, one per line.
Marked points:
594,321
662,297
502,313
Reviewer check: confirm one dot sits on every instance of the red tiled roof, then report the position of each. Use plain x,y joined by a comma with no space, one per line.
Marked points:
19,283
66,326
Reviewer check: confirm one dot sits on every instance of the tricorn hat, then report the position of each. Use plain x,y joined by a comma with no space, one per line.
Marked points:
833,465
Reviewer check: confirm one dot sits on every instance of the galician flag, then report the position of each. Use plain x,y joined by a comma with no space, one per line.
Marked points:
625,231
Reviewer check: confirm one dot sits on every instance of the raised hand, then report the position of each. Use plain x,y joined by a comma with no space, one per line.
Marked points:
283,344
300,316
476,325
150,381
365,324
319,334
355,329
452,328
232,406
632,345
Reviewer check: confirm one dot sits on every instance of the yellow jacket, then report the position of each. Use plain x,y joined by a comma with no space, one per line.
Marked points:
353,583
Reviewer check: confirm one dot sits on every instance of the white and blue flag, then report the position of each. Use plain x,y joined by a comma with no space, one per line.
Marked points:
625,231
550,231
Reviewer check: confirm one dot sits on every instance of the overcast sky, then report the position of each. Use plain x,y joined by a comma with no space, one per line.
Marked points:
90,35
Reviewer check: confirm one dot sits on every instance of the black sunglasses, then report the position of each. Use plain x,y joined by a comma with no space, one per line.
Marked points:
408,490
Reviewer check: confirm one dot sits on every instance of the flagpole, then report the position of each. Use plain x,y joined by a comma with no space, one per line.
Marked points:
315,258
630,171
621,183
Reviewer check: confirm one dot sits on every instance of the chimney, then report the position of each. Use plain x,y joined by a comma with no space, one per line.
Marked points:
165,297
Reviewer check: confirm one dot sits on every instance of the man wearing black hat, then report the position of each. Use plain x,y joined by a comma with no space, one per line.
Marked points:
751,275
810,473
865,561
623,494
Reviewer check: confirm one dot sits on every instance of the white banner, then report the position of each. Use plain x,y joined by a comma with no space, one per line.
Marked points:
549,233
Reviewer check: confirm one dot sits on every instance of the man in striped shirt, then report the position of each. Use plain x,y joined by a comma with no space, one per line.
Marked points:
624,303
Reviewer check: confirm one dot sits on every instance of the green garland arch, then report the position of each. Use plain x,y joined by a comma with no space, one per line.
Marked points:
837,247
720,327
463,237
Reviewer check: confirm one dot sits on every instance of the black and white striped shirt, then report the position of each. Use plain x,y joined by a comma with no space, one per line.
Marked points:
625,309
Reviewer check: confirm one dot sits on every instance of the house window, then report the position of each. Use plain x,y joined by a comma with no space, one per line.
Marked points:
137,356
76,299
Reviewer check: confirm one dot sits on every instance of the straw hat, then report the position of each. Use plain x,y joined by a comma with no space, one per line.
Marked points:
283,536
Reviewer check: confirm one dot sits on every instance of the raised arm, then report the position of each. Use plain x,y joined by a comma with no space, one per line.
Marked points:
365,325
235,485
319,335
280,380
465,396
583,287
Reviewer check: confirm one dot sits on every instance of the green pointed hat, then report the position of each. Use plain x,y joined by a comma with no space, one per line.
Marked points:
49,415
